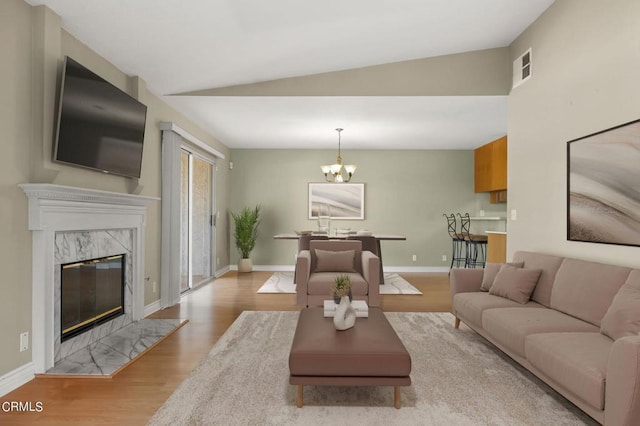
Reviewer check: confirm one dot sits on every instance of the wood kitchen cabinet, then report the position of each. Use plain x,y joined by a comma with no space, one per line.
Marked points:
496,247
490,169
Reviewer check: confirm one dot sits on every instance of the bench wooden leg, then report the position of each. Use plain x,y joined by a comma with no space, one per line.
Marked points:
457,325
396,397
299,398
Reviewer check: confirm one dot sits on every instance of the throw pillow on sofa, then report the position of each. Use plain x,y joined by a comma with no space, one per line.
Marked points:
490,272
623,317
335,261
514,283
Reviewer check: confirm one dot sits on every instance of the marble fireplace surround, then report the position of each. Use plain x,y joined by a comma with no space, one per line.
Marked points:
79,246
57,209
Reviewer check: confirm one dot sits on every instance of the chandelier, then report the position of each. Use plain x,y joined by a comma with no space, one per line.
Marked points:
334,172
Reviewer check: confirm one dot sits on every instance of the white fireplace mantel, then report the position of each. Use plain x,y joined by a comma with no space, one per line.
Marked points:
56,208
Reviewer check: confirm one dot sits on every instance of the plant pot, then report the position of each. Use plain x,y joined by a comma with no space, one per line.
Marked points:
336,299
245,265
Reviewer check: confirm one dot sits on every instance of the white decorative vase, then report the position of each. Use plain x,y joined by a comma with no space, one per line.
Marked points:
345,316
245,265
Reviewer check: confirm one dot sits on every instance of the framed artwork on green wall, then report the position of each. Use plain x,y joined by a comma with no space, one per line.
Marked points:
336,200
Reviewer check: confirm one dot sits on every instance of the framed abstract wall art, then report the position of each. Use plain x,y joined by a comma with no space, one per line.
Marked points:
603,186
337,200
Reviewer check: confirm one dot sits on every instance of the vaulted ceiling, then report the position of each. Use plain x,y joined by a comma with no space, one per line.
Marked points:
285,73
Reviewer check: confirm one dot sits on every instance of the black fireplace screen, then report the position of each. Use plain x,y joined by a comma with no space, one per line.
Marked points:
92,292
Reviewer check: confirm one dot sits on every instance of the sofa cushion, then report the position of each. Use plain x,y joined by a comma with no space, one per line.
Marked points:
510,326
469,306
586,289
577,361
336,245
320,284
334,261
623,316
514,283
549,265
490,271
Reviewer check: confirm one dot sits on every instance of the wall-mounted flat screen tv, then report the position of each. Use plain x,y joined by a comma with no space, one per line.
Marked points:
100,127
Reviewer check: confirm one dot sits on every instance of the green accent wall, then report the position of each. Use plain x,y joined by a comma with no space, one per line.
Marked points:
406,192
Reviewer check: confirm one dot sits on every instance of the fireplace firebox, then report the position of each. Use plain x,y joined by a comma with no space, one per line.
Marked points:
92,293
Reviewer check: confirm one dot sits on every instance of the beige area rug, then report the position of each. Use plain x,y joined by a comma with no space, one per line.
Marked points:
282,282
457,379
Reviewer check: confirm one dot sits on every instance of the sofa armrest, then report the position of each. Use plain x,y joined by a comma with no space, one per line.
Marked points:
465,280
622,392
303,271
371,274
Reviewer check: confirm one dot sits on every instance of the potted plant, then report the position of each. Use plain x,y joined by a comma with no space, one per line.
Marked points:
341,287
246,232
345,315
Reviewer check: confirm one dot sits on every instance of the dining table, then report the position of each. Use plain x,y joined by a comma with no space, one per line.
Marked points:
344,236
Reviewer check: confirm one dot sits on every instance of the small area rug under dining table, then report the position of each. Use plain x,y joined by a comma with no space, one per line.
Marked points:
282,282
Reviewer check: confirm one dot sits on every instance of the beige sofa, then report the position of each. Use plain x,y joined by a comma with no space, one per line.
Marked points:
315,275
578,332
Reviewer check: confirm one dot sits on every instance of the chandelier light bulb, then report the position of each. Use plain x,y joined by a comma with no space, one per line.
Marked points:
333,173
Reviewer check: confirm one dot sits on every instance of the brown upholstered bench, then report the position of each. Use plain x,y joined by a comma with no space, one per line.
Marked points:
368,354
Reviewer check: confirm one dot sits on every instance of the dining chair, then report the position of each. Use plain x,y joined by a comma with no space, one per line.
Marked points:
370,243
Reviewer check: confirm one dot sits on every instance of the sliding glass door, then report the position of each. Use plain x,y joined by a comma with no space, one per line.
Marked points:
197,220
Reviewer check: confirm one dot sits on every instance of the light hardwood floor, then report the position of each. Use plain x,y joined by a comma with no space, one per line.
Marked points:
134,394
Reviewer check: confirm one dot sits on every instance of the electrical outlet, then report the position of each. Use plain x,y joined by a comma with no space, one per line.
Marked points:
444,257
154,287
24,341
414,258
514,214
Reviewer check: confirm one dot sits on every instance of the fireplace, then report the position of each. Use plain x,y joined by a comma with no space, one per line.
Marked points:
71,250
91,293
70,223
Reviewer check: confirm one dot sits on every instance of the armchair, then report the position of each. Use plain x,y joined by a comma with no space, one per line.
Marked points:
317,267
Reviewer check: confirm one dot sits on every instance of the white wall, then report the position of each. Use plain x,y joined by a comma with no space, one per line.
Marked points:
586,57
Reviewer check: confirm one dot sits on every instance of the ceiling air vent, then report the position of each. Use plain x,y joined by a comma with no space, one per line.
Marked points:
522,68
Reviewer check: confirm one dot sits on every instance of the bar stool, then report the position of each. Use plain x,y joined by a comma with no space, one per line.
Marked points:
476,244
457,241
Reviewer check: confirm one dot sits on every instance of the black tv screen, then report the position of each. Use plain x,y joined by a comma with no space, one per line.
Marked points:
99,126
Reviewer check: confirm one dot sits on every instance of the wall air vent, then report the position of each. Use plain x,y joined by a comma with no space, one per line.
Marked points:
522,68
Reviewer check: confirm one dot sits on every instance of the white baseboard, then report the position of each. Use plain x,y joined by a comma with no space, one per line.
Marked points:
280,268
268,268
416,269
152,307
221,272
16,378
